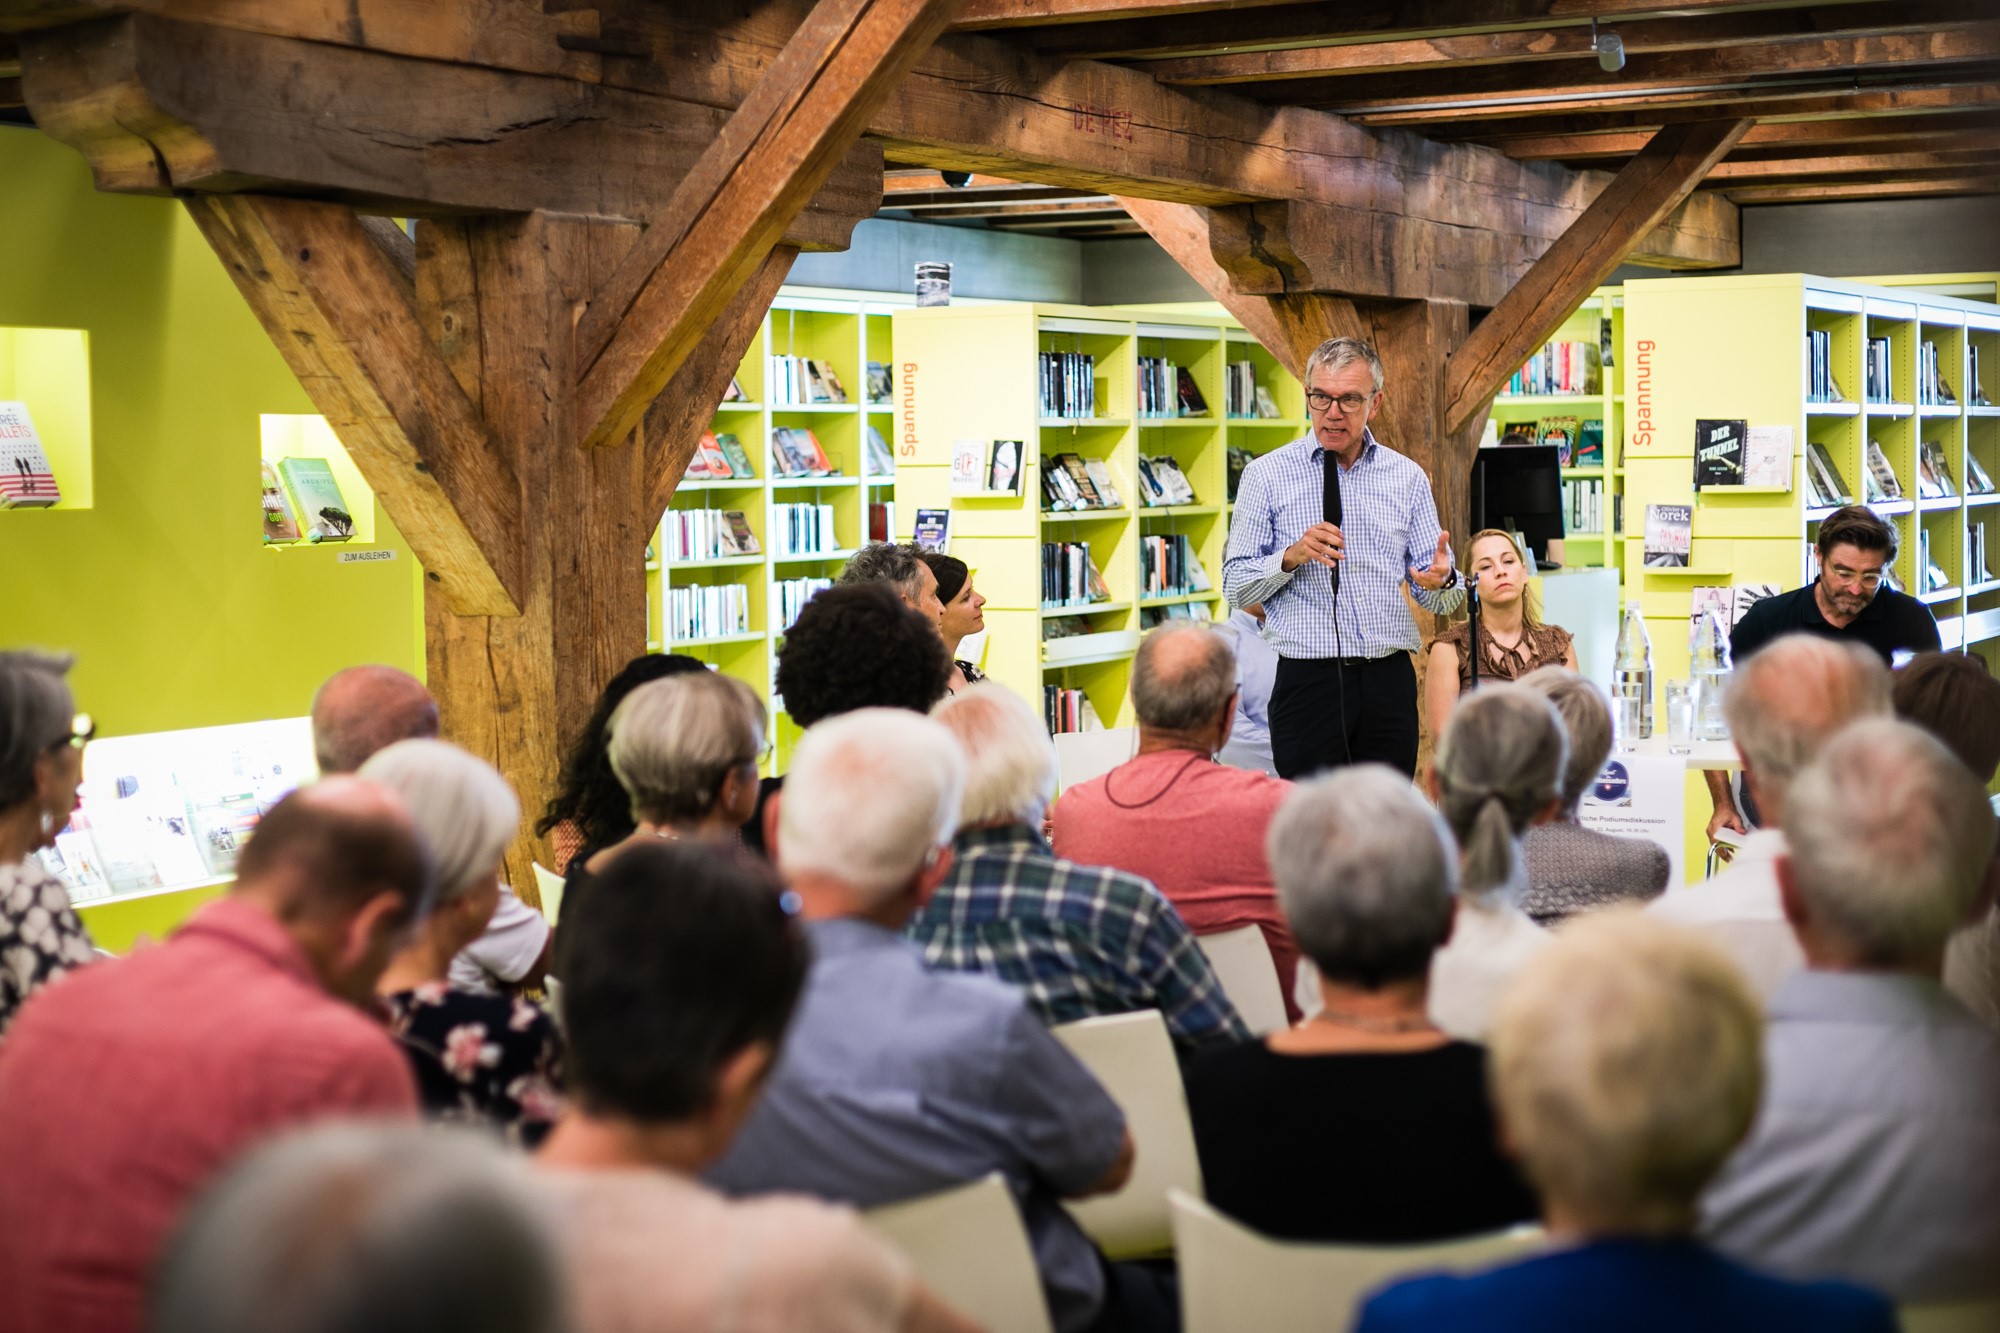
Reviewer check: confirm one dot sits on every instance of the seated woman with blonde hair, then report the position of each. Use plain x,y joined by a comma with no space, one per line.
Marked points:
1512,638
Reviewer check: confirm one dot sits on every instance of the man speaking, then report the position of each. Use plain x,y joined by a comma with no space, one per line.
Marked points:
1327,529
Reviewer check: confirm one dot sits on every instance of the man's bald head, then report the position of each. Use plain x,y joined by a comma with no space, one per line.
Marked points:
326,850
368,708
1788,698
1182,678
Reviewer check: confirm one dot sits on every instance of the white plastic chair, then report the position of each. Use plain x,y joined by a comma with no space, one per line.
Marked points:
1133,1057
1232,1278
551,886
969,1246
1976,1316
1083,755
1242,961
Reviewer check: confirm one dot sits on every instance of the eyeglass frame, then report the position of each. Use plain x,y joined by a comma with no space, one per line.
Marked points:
1349,403
82,730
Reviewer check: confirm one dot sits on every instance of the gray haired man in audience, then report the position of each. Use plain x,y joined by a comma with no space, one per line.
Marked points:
1782,704
1876,1153
896,1081
899,566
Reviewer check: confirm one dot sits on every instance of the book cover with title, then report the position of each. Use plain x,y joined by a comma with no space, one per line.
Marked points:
1669,536
317,499
26,479
1719,448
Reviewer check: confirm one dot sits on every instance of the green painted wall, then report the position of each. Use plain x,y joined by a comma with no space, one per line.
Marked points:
177,614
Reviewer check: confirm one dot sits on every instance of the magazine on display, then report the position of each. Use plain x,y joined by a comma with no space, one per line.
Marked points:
1669,536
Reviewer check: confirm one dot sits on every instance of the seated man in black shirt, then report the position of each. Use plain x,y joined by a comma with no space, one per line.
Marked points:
1364,1124
1847,601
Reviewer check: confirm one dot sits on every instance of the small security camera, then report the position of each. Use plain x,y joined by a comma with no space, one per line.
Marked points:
1610,49
958,180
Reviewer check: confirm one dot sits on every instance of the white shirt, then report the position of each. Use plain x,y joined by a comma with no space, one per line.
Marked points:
513,940
1740,910
1491,940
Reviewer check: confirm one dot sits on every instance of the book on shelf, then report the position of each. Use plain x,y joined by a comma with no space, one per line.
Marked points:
1562,433
796,452
792,596
1267,406
1064,627
713,458
1168,567
1589,450
1878,480
1875,366
1193,404
1583,504
1068,384
804,381
1669,536
1933,389
1159,387
882,520
1078,487
1719,449
1070,576
316,499
933,530
968,467
1558,368
1821,385
1003,468
1239,389
1068,710
1767,457
1166,483
26,479
803,529
1829,488
734,393
737,456
1932,468
1099,473
880,389
1060,492
281,526
1238,460
1975,386
881,462
1151,616
1978,569
707,611
737,539
1977,482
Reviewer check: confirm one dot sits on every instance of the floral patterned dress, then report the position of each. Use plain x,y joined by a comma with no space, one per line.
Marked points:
482,1059
41,939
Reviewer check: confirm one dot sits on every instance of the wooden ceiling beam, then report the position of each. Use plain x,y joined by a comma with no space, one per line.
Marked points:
1831,192
1649,187
728,212
1857,164
1805,108
976,15
1573,147
1573,42
1762,100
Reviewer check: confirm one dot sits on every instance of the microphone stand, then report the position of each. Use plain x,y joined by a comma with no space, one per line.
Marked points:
1472,627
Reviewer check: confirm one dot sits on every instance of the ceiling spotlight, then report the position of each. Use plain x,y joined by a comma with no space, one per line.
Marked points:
958,180
1610,49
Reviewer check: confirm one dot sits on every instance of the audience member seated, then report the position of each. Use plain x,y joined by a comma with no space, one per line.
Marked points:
897,1081
124,1089
964,613
1172,815
687,971
368,708
854,646
1512,638
1876,1152
591,810
1955,698
1079,940
479,1057
1366,1123
391,1229
1256,674
1782,704
901,566
41,765
1625,1067
1498,771
1571,868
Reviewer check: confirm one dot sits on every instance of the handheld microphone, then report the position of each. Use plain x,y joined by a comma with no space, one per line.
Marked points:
1332,504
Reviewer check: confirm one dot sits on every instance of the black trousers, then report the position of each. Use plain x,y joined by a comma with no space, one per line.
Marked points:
1328,711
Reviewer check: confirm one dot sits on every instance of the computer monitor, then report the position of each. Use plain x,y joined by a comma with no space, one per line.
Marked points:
1519,489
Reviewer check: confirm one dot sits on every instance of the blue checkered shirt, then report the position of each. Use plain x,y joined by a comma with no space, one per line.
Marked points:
1080,941
1391,525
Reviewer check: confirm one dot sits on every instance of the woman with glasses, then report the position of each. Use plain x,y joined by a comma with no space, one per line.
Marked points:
41,766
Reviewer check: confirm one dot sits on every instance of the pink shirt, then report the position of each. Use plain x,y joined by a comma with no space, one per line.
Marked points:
1196,830
127,1086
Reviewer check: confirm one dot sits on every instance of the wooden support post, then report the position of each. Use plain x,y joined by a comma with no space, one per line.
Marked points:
1649,187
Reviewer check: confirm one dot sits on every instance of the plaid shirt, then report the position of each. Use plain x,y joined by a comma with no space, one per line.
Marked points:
1391,525
1079,940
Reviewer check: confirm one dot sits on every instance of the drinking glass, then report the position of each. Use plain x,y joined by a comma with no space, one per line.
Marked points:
1680,716
1628,722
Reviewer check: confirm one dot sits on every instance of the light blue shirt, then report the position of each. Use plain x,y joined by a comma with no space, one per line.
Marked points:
1875,1156
897,1082
1391,525
1256,676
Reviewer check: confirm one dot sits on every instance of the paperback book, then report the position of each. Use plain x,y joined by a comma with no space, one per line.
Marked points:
1767,457
281,526
1239,459
26,479
738,456
1003,467
1669,536
1978,569
713,460
1719,599
932,531
880,390
1977,482
737,538
968,467
1589,451
1933,473
797,453
317,500
1192,402
1829,488
1720,452
881,463
1099,473
1060,491
1879,481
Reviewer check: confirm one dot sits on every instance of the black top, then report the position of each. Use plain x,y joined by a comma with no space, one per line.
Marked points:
1891,620
1362,1149
483,1059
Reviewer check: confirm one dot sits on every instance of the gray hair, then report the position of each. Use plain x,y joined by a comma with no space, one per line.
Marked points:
365,1227
897,565
1586,718
1889,836
871,797
1010,763
1499,761
36,713
1786,699
1366,873
673,741
1335,353
363,709
1189,688
463,809
1626,1064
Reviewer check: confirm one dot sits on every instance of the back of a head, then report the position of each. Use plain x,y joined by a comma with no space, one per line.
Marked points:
36,712
1586,718
463,808
1182,676
364,1228
892,563
857,646
325,850
588,794
1366,872
672,742
368,708
869,798
1010,763
1889,838
1785,700
685,955
1626,1066
1955,698
1499,762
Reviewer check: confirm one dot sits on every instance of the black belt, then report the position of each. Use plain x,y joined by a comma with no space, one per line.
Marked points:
1348,661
